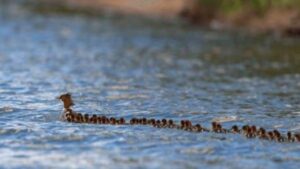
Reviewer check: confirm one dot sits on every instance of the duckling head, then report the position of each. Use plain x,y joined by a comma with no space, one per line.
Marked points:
297,137
164,122
171,122
235,129
122,120
214,125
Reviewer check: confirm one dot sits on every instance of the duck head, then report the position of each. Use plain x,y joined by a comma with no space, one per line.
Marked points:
67,100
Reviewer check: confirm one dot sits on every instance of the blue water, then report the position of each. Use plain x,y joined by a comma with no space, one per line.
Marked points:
128,67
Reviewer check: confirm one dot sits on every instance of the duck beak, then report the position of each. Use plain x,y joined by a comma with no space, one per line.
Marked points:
58,97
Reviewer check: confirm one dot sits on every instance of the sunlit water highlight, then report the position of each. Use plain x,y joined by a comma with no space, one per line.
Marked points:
132,68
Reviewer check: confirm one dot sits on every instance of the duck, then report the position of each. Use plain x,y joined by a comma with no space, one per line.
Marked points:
189,125
270,135
132,121
112,121
182,124
248,133
290,137
277,136
86,118
140,121
69,118
235,129
93,119
122,120
197,128
67,100
253,130
144,121
157,124
77,118
99,120
150,121
216,127
297,137
262,133
68,103
164,123
104,120
171,123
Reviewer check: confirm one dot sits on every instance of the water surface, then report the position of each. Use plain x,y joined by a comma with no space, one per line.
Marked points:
128,67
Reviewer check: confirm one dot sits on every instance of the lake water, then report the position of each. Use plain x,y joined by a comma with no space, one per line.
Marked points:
128,67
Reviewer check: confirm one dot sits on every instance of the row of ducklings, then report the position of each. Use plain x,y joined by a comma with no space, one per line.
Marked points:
247,130
79,118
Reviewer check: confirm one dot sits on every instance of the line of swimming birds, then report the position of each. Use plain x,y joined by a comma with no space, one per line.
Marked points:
250,131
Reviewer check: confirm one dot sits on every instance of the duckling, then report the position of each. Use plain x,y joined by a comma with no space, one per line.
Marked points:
297,137
197,128
270,135
99,120
157,124
69,119
122,120
217,127
77,119
107,120
144,121
249,133
164,122
278,136
67,113
290,137
132,121
221,129
262,133
170,123
86,118
261,130
153,122
188,125
112,121
149,121
103,120
253,130
93,119
72,116
214,126
245,129
182,124
80,117
235,129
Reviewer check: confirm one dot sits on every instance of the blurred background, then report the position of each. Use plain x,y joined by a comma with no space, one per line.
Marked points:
280,16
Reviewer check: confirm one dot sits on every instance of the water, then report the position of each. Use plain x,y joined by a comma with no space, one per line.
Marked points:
127,67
